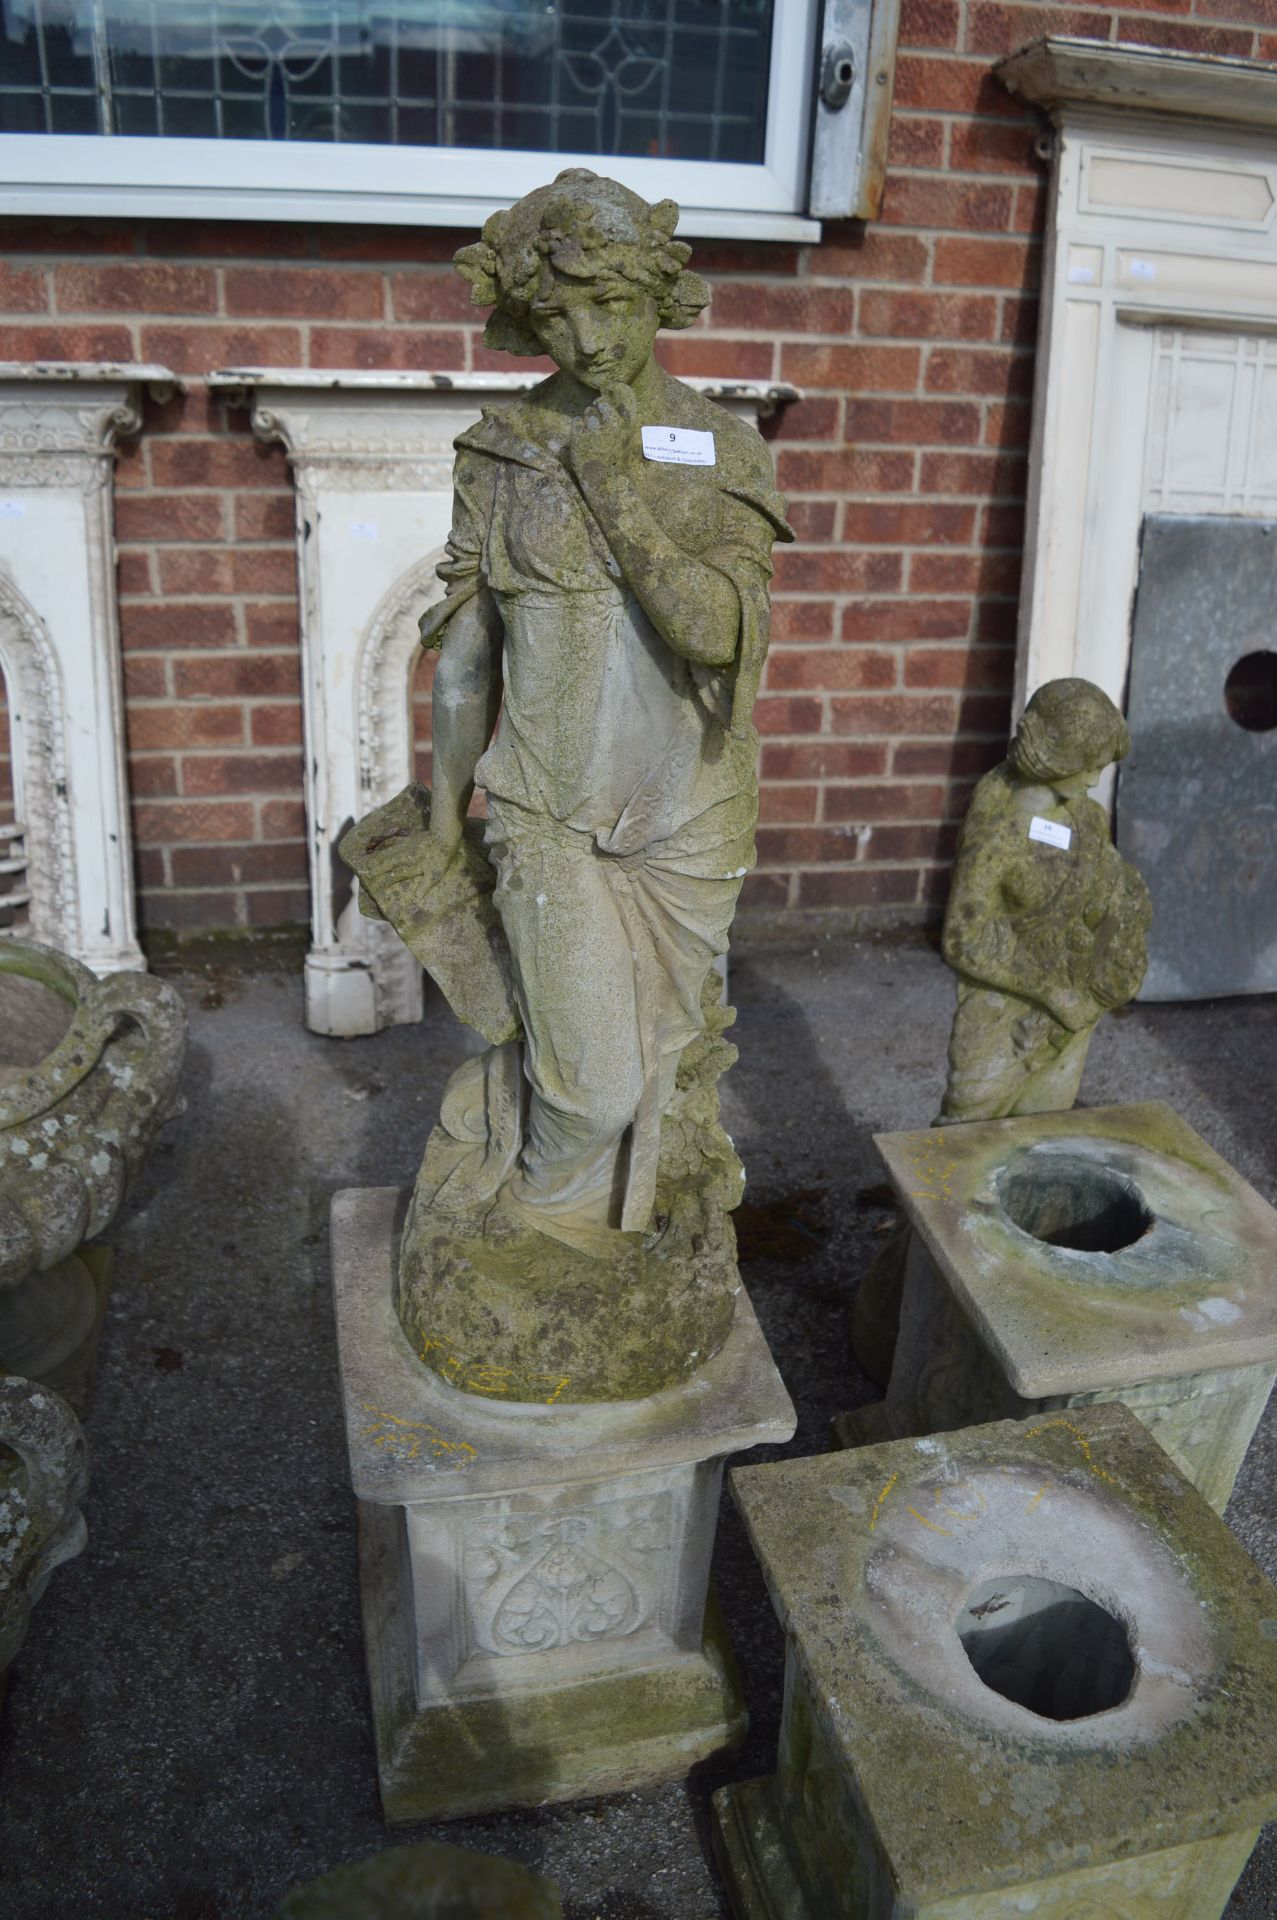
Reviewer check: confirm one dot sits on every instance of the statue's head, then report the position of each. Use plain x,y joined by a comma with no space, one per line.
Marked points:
585,271
1069,729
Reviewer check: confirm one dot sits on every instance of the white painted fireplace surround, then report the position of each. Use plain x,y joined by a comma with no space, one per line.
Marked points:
1157,359
371,455
70,865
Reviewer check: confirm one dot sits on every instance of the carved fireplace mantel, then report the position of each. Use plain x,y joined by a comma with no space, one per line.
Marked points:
71,863
371,454
1157,360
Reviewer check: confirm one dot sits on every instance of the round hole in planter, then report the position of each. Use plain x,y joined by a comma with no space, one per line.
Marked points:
1074,1203
1250,691
1046,1647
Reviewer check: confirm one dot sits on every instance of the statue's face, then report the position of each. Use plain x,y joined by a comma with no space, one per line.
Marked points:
1071,786
601,334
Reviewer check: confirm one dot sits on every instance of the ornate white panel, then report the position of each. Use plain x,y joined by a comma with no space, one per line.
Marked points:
372,456
1157,360
59,649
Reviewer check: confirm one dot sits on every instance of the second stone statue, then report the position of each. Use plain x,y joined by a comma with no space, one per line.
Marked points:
602,637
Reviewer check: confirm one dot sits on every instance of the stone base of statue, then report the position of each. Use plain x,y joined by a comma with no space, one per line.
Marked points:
51,1325
535,1573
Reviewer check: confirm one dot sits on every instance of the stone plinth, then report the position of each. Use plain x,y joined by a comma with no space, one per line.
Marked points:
535,1576
1063,1258
1028,1671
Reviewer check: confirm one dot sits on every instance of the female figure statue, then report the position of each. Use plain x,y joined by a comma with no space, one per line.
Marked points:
602,639
1047,925
1046,928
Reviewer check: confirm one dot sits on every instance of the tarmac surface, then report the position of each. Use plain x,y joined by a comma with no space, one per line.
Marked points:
187,1733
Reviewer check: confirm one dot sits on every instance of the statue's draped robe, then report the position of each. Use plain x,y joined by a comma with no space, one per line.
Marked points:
621,783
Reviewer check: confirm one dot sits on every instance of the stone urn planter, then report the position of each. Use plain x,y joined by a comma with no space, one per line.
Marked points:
88,1074
43,1475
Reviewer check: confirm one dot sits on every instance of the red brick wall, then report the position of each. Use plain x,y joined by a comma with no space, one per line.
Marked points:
912,340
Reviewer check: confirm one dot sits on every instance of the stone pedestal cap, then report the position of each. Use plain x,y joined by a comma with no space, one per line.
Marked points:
901,1574
1105,1246
413,1438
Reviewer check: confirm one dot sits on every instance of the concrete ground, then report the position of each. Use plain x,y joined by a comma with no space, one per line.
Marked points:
187,1735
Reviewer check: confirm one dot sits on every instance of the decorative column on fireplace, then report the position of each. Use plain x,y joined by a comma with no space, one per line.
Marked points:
68,867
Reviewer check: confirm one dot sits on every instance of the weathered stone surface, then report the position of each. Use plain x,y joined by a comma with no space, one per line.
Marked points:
51,1325
603,639
77,1119
439,900
1063,1258
43,1476
535,1577
495,1302
426,1882
1023,1660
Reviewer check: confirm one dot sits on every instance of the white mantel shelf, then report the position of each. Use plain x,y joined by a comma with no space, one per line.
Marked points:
1058,72
161,383
765,396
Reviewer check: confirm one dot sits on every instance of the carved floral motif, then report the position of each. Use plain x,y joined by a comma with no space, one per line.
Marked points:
538,1581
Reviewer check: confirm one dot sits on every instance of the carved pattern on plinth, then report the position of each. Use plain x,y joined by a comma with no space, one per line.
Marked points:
538,1581
60,424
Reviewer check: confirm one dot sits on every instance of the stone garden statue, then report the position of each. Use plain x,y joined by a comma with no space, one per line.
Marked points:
602,641
1047,930
1046,926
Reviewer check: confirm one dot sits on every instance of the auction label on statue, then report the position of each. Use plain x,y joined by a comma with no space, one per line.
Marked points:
679,447
1050,832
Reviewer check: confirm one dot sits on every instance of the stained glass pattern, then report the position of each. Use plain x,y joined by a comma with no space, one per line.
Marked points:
663,79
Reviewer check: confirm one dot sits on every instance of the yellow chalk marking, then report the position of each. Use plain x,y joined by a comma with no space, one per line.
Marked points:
478,1376
407,1437
929,1524
873,1518
957,1513
1082,1442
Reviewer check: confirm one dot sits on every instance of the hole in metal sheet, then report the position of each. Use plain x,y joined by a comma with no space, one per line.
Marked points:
1250,691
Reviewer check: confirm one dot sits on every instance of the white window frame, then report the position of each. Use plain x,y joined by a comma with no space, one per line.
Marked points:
96,174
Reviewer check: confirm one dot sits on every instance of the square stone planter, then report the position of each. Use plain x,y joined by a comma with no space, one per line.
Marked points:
1028,1671
535,1578
1064,1258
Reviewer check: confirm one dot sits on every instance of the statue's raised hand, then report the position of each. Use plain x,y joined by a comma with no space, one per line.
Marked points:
606,433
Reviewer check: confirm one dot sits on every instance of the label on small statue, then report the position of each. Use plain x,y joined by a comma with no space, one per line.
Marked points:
1050,832
679,447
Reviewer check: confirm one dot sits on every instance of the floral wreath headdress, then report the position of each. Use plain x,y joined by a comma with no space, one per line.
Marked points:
582,227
